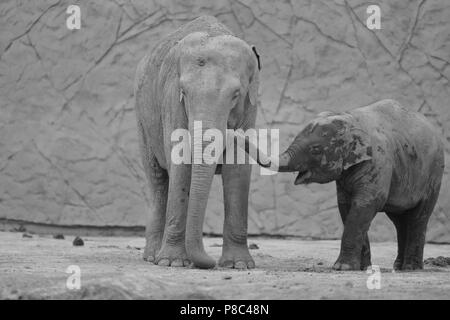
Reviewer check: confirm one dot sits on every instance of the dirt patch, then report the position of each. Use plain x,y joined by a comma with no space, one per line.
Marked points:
97,292
439,261
113,268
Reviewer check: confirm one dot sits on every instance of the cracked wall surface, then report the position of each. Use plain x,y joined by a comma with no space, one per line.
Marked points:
68,140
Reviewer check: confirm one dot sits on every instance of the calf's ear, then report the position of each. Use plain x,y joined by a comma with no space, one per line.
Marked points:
356,146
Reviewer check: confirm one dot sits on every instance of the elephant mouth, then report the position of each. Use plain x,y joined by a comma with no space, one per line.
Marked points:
303,177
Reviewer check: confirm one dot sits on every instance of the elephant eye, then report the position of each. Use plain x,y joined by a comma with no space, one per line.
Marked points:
236,95
315,149
201,62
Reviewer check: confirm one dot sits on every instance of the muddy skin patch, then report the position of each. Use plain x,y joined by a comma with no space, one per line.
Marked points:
338,142
373,177
358,139
352,157
381,150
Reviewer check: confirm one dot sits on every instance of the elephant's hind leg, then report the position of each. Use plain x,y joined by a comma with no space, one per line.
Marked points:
399,220
159,183
365,253
416,227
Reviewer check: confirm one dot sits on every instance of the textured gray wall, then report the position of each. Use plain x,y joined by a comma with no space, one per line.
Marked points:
68,143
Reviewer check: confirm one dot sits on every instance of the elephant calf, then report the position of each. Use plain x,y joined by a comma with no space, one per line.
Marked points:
383,158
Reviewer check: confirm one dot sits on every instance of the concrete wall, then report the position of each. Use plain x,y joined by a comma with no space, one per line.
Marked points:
68,142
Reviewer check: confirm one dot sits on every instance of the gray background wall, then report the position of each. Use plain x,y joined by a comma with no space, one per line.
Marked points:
68,143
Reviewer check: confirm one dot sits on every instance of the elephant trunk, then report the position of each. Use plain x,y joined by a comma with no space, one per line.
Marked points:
201,180
283,163
264,161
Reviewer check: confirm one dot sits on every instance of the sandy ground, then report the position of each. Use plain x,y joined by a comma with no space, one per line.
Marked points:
112,267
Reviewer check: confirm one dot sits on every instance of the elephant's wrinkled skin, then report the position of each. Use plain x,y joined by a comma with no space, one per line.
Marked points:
383,158
201,72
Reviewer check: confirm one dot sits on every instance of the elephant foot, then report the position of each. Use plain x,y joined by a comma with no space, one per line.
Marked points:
365,255
151,250
346,265
398,263
412,266
172,256
365,263
238,258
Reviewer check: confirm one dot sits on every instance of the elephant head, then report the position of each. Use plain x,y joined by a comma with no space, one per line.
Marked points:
212,79
327,146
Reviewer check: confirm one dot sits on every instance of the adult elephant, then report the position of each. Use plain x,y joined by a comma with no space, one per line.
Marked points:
200,72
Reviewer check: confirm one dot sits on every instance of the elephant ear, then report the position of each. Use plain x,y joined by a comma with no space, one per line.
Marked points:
168,81
356,141
253,89
257,57
254,80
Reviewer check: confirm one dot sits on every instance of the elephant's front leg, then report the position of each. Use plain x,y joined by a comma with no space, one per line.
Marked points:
236,185
173,250
344,204
354,237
